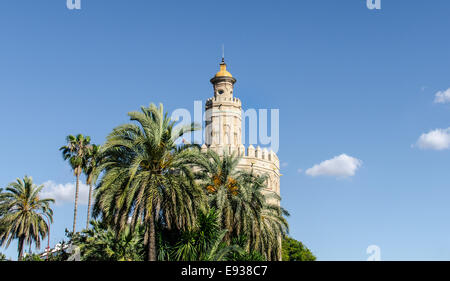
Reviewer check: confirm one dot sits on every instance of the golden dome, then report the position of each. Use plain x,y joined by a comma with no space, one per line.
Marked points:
223,70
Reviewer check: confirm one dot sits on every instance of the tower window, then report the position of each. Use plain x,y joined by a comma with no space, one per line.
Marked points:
220,92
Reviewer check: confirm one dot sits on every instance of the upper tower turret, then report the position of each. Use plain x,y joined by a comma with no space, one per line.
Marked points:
223,112
223,82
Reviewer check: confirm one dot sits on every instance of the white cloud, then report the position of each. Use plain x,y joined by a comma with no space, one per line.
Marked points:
442,96
339,166
438,139
284,164
65,193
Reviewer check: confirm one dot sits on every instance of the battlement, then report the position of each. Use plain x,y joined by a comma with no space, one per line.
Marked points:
258,161
250,153
232,100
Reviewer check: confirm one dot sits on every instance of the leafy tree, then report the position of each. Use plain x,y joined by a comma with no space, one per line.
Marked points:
90,169
59,253
147,177
243,255
3,208
205,241
100,243
294,250
25,214
3,257
75,152
242,207
32,257
2,205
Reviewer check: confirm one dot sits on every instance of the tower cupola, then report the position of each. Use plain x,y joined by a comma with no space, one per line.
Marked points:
223,70
223,82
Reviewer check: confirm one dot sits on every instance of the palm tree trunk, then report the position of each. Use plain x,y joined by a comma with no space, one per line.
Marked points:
89,206
152,239
146,244
20,246
280,248
76,202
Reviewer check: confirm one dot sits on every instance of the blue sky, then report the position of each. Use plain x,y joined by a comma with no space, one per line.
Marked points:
347,81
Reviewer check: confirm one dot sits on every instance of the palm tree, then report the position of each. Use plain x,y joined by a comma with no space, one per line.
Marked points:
205,241
147,177
3,208
76,151
25,214
271,225
91,172
100,243
242,206
3,201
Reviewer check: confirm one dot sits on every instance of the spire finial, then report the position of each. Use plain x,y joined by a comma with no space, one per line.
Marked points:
223,66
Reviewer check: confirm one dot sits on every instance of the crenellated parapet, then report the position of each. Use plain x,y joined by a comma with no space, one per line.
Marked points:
257,160
250,152
224,99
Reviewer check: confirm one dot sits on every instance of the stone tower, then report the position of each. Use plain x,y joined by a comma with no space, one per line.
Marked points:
223,131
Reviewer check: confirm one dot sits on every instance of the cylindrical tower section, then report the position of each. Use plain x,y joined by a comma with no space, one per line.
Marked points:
223,113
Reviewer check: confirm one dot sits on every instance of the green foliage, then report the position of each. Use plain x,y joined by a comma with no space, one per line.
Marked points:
24,215
32,257
3,257
101,243
294,250
147,177
3,206
204,242
244,256
91,162
252,255
61,254
90,169
163,201
242,207
3,210
76,152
